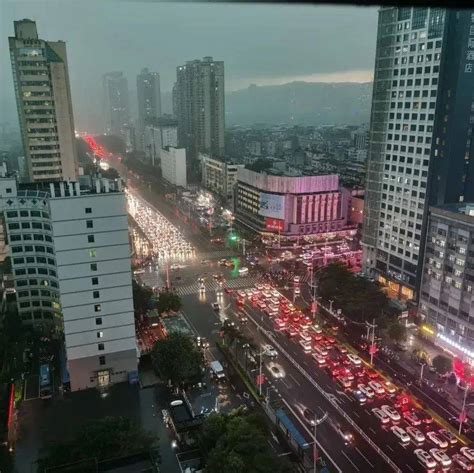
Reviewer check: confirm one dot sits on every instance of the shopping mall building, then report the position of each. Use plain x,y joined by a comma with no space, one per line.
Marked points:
292,206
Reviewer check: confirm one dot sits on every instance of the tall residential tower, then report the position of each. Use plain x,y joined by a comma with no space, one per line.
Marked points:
420,144
149,101
116,104
199,98
43,97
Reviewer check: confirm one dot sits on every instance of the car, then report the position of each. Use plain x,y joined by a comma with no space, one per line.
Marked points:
305,336
309,416
411,417
381,415
269,351
449,436
416,434
297,290
425,458
468,453
400,433
296,279
463,462
306,346
320,360
242,319
341,349
377,387
440,457
202,342
437,439
330,340
216,306
354,359
359,372
367,390
389,387
292,331
359,396
372,374
391,412
345,382
424,416
276,370
347,436
228,290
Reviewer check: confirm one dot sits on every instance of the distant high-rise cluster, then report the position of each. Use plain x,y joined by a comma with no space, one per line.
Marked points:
421,149
43,96
116,103
198,100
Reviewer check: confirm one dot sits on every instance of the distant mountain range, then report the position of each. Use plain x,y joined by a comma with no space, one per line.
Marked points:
302,103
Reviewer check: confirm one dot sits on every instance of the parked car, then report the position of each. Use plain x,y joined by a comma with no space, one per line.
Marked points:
401,434
425,458
440,457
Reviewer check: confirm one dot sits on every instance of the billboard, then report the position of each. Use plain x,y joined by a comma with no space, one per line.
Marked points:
272,205
274,224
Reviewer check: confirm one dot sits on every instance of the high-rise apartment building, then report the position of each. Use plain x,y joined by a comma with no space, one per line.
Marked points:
116,103
69,249
148,95
43,97
199,97
420,143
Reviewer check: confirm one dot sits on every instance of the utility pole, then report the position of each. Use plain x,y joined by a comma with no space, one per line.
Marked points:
167,275
421,372
315,447
462,415
372,343
260,374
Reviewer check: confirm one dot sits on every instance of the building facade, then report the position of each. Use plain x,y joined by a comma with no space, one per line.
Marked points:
446,295
420,146
159,133
199,97
43,98
70,254
218,176
116,103
173,165
291,206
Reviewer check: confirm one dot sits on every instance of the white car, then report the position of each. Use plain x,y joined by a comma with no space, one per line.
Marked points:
305,336
377,387
366,390
468,453
425,458
354,359
437,439
391,412
276,370
416,434
269,351
296,279
440,457
448,435
320,360
306,346
297,290
381,415
401,434
463,462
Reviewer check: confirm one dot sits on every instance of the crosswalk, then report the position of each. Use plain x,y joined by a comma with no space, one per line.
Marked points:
212,285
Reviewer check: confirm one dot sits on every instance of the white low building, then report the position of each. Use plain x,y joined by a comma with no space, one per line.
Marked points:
173,165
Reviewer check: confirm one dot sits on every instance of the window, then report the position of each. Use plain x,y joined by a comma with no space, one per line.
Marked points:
100,347
93,266
90,238
98,321
95,281
88,210
100,334
102,360
97,307
89,224
92,253
96,294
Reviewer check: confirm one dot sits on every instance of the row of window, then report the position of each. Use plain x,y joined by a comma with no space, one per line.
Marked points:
30,236
45,172
30,248
38,292
32,260
45,271
27,304
26,213
35,282
419,59
48,164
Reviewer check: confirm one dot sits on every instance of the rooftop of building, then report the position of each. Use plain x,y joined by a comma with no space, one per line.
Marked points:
463,211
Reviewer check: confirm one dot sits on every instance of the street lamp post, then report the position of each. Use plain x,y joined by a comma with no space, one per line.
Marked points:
330,305
421,372
372,344
462,416
315,447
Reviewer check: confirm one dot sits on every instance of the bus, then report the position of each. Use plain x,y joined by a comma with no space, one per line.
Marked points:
45,381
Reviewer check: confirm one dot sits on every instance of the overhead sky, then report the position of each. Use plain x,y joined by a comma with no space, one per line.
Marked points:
263,44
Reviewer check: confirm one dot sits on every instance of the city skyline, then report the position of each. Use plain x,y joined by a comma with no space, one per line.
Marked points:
292,33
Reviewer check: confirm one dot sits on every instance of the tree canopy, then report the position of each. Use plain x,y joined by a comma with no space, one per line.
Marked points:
176,358
109,437
237,442
167,301
442,364
261,164
142,297
358,298
397,332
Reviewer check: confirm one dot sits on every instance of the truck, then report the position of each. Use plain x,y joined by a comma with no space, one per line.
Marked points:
217,370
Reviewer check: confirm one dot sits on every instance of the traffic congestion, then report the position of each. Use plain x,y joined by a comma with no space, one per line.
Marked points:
376,401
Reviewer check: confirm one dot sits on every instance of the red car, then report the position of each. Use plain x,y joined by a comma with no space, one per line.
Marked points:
372,374
240,302
228,290
359,372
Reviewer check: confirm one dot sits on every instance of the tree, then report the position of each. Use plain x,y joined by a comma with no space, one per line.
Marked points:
261,164
238,443
167,301
177,359
101,439
442,364
358,298
397,332
142,296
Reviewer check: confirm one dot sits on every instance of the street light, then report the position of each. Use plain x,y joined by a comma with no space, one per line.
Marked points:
421,372
462,416
315,447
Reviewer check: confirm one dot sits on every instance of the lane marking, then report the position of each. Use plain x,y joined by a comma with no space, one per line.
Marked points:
409,467
350,461
294,379
365,458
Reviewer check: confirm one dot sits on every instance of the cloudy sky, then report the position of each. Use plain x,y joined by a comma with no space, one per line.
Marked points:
261,44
